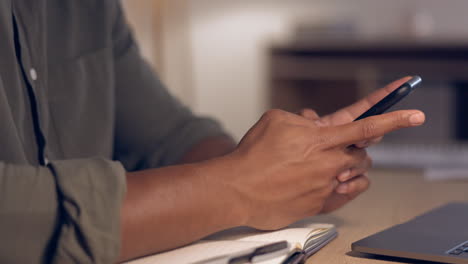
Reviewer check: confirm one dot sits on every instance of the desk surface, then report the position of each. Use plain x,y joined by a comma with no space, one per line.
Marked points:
394,197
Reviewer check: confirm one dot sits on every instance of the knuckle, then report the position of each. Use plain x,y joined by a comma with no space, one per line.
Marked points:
309,112
273,114
362,184
369,130
312,111
400,120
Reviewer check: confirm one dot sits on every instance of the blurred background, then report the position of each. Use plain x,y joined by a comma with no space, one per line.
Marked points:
234,59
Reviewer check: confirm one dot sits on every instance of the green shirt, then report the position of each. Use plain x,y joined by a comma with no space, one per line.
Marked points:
79,106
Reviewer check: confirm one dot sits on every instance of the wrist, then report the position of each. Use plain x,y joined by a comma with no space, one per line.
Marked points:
209,148
220,177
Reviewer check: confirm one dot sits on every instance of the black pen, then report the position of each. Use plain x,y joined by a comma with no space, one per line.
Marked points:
295,257
254,255
393,98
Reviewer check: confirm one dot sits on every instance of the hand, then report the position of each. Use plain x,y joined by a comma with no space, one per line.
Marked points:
348,114
353,181
286,166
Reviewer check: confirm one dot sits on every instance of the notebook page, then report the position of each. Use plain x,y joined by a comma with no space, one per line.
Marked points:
276,260
199,251
296,234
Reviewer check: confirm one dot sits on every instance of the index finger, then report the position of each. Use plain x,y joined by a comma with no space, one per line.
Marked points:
372,127
351,112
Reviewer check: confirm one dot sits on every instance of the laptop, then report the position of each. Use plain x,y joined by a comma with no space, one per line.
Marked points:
441,235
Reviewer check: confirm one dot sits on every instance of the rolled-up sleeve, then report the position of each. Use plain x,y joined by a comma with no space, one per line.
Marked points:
153,128
68,212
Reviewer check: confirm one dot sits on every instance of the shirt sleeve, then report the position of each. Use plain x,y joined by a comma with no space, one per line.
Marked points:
153,128
68,212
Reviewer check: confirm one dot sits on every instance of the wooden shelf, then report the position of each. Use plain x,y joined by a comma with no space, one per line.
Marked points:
327,75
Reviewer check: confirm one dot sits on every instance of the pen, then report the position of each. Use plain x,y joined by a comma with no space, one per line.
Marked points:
295,257
258,254
299,256
392,98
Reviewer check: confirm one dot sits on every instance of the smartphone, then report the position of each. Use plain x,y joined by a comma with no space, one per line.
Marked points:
391,99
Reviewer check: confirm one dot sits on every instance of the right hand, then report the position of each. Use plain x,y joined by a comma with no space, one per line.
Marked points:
286,166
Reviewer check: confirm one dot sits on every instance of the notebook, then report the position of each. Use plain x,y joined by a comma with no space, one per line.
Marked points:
304,235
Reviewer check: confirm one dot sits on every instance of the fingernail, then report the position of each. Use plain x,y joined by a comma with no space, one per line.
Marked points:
342,188
363,144
344,175
416,119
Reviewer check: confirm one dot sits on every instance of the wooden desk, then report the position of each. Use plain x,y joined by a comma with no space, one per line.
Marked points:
394,197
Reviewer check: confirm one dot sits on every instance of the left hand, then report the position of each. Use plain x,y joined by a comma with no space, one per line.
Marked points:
354,181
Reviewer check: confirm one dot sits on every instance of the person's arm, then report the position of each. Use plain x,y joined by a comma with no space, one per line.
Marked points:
283,170
172,206
153,129
209,148
67,212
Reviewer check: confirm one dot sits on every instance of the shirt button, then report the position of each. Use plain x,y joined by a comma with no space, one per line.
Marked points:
33,74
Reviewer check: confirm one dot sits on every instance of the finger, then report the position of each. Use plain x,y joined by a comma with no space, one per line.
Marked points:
348,160
348,114
344,176
354,187
284,116
309,114
313,116
354,172
361,169
368,143
371,127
